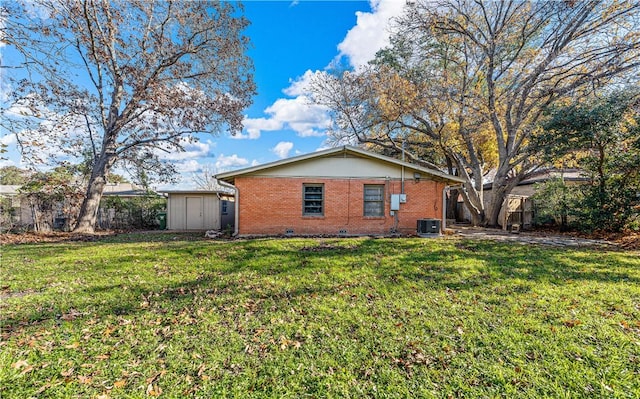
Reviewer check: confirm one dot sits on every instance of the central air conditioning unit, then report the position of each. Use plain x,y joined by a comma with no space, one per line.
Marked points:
429,227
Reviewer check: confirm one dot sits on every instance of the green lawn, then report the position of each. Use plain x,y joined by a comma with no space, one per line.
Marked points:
139,316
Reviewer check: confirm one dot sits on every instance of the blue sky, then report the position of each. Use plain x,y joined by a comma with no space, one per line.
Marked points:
291,41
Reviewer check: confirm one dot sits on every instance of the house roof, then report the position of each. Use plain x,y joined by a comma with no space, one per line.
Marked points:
128,193
113,190
353,151
543,175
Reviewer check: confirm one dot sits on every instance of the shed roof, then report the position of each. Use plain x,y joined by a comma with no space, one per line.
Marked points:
128,193
353,151
200,192
9,189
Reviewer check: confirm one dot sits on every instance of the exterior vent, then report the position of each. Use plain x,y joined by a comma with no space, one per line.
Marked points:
429,227
289,232
342,232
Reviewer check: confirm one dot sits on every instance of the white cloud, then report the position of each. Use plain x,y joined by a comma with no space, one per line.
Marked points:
187,166
192,150
5,87
224,163
7,162
282,149
254,127
29,106
300,86
299,113
36,10
371,32
9,139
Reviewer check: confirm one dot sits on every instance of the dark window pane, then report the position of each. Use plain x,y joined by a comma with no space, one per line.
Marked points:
313,198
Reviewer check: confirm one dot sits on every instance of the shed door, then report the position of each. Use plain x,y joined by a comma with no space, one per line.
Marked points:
195,219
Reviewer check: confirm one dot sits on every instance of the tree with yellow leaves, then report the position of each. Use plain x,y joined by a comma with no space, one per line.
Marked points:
471,80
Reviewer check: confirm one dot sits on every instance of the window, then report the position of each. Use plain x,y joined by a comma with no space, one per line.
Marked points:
374,200
225,207
313,199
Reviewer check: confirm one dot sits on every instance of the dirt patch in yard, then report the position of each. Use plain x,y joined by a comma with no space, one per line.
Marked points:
628,240
54,236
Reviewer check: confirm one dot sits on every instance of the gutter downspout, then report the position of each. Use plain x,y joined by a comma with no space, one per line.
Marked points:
445,190
236,196
402,172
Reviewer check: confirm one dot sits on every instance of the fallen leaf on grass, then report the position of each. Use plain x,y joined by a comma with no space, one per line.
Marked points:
154,377
84,379
119,383
43,388
20,364
72,315
26,370
572,323
154,390
67,373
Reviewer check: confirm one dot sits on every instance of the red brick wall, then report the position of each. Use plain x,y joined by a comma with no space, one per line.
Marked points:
273,205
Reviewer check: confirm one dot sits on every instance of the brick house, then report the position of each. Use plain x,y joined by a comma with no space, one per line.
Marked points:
338,191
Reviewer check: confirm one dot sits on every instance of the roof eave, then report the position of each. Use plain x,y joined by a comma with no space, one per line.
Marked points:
229,177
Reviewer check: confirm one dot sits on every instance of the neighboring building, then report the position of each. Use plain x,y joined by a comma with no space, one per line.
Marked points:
199,210
118,209
126,206
14,208
518,207
339,191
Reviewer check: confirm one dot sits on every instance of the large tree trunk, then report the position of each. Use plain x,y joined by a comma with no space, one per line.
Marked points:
472,191
473,202
501,188
494,206
95,187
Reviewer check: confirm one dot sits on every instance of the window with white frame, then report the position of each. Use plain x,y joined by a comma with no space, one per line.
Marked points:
374,200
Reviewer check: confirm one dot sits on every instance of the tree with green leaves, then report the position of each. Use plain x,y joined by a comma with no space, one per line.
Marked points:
553,201
602,137
52,194
123,81
12,175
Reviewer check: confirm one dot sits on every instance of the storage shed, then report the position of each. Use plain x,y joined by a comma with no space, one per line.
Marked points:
199,210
